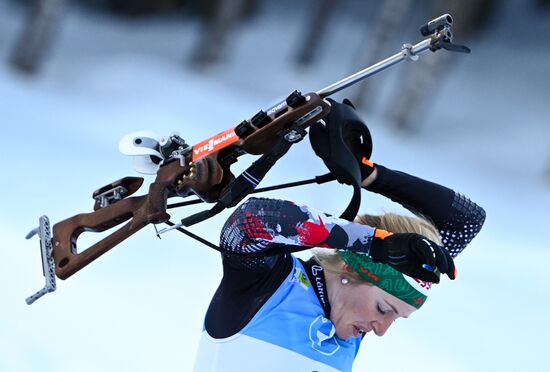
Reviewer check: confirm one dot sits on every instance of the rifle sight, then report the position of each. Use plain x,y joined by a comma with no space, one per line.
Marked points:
436,25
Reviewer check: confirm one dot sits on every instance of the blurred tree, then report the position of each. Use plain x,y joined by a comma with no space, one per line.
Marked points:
219,19
387,23
470,18
37,34
316,28
139,7
44,20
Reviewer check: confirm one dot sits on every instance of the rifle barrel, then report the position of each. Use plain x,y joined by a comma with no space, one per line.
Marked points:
416,49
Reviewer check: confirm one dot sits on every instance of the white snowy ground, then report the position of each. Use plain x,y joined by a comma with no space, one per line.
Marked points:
141,306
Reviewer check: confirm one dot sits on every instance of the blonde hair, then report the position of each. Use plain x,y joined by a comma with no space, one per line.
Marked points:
394,222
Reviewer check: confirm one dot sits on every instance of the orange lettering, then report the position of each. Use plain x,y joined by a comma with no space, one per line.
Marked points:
215,143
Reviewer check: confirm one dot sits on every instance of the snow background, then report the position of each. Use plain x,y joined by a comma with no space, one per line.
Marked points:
141,306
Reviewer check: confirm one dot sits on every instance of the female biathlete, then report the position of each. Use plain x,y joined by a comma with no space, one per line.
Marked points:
275,312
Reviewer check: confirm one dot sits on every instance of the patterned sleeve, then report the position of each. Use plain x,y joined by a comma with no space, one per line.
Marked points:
461,225
262,225
457,218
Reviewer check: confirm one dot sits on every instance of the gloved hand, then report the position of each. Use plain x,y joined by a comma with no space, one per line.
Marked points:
413,255
356,134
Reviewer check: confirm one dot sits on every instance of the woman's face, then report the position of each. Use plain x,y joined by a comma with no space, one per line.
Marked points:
358,308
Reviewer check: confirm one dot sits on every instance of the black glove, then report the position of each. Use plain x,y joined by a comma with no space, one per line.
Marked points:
413,255
327,140
355,133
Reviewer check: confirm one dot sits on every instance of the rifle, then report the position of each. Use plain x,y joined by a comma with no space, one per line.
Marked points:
204,169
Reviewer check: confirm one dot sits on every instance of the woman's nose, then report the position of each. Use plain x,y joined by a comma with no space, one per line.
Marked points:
382,325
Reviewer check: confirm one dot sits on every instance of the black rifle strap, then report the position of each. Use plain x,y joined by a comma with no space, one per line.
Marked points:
319,180
247,181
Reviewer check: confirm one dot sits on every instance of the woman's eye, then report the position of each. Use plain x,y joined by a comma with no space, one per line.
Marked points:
382,311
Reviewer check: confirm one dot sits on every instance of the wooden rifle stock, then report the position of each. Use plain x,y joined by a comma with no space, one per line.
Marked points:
65,233
137,211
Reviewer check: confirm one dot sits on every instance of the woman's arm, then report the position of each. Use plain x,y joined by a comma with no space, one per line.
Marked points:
263,225
260,225
457,218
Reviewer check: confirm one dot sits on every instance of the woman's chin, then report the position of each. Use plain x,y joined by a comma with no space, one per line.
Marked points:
344,333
